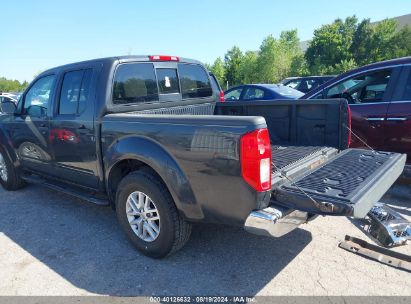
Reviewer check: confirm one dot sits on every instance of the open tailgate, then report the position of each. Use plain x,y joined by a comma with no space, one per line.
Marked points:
348,184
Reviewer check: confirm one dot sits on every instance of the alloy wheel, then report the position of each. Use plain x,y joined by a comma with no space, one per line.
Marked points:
3,169
143,216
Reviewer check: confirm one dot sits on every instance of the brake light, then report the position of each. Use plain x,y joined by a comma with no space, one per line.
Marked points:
222,99
255,157
349,126
164,58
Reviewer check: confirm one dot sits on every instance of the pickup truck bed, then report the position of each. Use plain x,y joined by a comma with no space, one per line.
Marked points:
309,173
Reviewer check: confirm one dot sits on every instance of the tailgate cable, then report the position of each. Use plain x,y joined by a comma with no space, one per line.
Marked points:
359,138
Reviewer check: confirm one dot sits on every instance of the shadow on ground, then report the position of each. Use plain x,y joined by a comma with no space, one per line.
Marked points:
83,244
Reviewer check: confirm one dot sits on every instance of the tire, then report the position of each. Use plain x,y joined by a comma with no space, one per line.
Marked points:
162,237
9,177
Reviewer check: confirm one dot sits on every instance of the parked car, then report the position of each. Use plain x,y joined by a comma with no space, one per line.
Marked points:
379,96
7,102
306,84
145,135
261,92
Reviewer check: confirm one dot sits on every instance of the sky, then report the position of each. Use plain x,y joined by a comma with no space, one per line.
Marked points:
37,35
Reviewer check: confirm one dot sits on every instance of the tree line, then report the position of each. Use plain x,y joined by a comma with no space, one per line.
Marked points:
335,48
8,85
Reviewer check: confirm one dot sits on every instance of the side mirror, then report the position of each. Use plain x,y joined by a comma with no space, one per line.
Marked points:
8,107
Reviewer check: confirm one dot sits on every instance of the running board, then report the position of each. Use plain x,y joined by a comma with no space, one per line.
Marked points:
348,184
84,195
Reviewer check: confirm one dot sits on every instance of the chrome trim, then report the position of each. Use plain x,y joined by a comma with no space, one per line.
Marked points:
274,221
387,226
397,118
375,119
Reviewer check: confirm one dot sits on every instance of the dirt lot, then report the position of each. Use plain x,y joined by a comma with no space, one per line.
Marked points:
52,244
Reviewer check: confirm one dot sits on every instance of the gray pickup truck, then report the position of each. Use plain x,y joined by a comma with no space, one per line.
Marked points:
148,136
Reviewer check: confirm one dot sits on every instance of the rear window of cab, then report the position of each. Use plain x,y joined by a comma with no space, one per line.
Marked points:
142,82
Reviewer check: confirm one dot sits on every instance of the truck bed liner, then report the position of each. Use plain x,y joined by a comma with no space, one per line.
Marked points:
291,161
350,183
283,156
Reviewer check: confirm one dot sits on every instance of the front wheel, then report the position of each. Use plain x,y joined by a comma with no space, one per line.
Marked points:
147,213
9,177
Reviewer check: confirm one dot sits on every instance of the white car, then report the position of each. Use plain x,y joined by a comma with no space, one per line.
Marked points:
5,101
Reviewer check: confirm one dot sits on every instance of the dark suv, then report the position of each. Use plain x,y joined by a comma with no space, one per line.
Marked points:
379,95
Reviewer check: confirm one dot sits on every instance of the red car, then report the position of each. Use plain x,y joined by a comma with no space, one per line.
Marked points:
379,96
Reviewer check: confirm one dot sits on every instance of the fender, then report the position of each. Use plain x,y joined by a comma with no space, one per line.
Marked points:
154,155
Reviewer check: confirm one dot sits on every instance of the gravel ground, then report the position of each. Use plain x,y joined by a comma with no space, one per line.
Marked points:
53,244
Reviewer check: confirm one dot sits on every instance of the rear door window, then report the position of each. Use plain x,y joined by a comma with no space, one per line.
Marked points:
75,92
167,81
194,80
135,83
252,93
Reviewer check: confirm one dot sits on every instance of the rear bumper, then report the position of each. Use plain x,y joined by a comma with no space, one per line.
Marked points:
274,221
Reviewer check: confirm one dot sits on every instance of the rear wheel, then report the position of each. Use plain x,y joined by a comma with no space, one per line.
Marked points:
147,213
9,177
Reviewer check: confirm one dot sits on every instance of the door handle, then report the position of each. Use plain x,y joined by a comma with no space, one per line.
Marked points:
375,118
43,125
397,118
82,127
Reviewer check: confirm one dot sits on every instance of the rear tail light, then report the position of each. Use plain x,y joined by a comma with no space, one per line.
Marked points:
164,58
222,99
349,125
255,156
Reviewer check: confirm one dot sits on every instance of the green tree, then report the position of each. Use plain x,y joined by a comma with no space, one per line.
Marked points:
403,42
218,70
331,45
232,62
267,60
343,66
280,58
383,41
362,42
7,85
248,72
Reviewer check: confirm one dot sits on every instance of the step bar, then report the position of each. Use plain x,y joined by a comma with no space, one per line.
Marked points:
77,193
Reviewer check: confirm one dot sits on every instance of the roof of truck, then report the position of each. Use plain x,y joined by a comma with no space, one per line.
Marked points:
128,58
